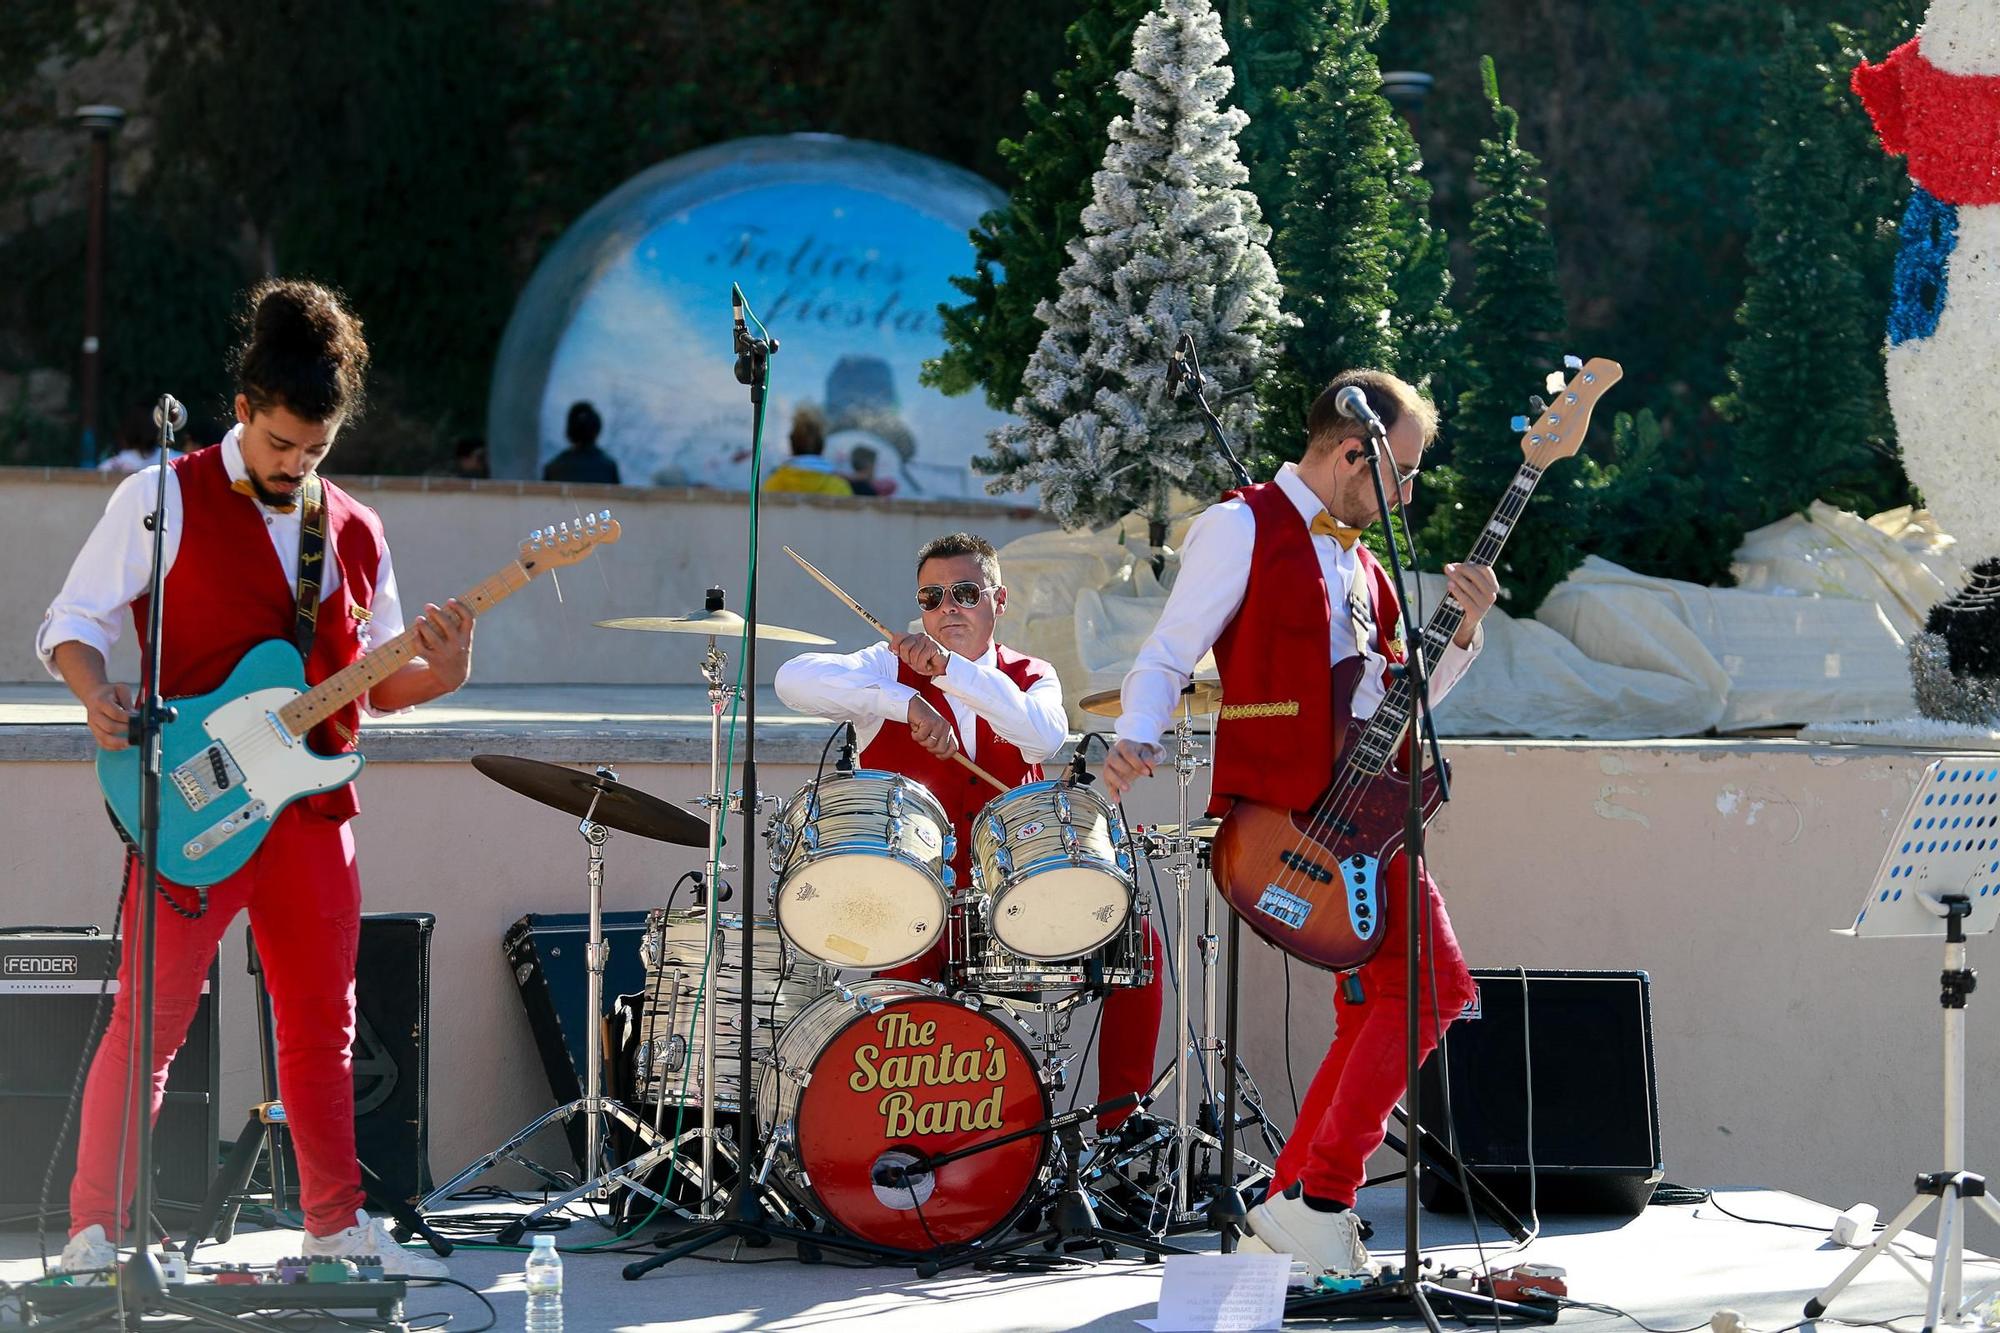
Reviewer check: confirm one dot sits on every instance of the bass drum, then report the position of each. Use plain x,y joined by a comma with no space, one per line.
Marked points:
873,1075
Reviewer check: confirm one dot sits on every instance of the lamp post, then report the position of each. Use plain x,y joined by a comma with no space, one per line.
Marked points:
1407,90
102,122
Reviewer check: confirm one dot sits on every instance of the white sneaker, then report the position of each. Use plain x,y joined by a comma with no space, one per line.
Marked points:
370,1236
1328,1244
88,1254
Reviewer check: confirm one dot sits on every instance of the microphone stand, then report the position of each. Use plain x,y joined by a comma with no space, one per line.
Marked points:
1407,1291
744,1216
142,1285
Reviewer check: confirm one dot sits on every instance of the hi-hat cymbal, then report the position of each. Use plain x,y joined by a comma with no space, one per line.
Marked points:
618,806
715,624
1200,828
1203,698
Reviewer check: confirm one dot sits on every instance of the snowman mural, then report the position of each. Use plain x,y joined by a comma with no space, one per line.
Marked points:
1935,101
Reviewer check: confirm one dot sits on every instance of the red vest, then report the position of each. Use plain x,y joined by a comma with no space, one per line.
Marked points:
1274,741
962,793
226,593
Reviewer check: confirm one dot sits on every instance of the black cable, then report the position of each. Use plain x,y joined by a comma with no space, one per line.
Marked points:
1290,1080
492,1315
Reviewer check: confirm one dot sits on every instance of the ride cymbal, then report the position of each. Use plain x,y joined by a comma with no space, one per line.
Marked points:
624,808
715,624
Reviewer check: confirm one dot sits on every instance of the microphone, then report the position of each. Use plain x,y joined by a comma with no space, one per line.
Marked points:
845,764
1177,369
170,414
1352,403
740,336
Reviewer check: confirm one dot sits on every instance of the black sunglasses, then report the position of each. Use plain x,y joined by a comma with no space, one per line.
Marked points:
965,592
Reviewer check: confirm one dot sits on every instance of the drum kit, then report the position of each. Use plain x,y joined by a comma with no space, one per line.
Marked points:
905,1120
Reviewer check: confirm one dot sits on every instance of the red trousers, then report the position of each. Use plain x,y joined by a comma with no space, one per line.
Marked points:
1346,1110
304,899
1130,1022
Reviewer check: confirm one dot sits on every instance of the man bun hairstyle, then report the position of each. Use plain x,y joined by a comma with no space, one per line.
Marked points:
302,349
962,543
1392,399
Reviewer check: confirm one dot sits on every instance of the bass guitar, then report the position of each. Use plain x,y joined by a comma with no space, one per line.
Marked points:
1310,881
232,759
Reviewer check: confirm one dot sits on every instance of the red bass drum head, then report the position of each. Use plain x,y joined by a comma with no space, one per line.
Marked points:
926,1076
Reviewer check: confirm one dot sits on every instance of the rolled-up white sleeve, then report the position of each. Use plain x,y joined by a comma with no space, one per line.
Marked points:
111,570
860,688
1032,720
1214,574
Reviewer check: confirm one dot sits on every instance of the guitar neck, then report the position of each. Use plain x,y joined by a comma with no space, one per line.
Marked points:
328,697
1385,729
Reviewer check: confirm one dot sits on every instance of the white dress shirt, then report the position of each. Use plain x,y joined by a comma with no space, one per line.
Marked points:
862,688
1214,574
116,561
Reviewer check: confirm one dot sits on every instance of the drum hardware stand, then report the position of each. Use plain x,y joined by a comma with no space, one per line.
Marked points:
720,693
1071,1218
743,1215
1186,761
593,1106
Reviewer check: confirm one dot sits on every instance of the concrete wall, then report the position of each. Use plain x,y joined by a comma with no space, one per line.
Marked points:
448,535
1787,1056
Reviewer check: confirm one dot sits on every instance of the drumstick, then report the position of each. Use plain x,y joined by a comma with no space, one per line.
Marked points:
887,633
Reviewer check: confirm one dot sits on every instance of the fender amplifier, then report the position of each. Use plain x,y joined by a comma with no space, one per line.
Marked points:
549,952
1582,1044
50,979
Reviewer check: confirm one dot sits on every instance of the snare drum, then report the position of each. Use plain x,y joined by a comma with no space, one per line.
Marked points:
670,1021
862,861
1050,873
982,965
871,1076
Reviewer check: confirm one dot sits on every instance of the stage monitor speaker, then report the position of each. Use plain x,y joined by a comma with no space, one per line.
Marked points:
392,1024
1588,1038
547,951
50,978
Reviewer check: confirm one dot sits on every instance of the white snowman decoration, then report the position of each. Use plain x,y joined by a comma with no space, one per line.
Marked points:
1935,101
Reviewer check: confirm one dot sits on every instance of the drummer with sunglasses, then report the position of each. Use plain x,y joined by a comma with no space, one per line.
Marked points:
919,699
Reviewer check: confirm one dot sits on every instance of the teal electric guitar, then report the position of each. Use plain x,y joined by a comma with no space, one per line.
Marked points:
233,758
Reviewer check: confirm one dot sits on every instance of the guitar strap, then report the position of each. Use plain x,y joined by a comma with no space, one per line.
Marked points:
312,562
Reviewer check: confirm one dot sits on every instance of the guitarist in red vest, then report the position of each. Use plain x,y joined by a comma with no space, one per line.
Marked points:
1305,627
235,536
920,699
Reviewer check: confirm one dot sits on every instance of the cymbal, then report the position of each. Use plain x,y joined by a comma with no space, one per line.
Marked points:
624,808
715,624
1200,828
1203,699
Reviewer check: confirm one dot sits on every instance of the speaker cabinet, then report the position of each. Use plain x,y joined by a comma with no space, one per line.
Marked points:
50,979
548,952
1582,1044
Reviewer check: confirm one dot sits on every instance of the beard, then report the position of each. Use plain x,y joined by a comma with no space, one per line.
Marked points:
270,498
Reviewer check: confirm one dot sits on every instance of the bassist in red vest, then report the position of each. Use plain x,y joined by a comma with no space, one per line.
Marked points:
233,550
1305,626
920,699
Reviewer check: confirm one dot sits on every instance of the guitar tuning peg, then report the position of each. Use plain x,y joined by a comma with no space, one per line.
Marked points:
1554,383
1535,402
1572,363
604,515
1520,425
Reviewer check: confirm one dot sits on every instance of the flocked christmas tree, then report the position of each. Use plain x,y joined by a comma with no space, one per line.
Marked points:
1511,339
1172,241
1019,251
1362,269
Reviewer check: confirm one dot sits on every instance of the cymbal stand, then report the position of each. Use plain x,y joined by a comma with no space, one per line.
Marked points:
593,1106
721,693
1186,761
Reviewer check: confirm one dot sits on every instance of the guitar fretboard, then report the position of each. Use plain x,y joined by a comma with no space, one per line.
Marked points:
351,682
1386,728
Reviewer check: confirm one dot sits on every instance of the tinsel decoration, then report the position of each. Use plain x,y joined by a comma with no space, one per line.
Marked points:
1923,260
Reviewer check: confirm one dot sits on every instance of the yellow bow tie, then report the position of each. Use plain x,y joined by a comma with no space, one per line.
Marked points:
1324,526
245,488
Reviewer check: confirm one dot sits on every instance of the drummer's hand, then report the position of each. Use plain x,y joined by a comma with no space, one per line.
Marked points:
925,655
1126,763
930,729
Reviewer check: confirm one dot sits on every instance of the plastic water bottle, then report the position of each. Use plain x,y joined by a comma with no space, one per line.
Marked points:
544,1277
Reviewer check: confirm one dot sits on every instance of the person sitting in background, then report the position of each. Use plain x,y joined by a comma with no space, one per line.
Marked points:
139,443
862,477
807,471
583,460
468,460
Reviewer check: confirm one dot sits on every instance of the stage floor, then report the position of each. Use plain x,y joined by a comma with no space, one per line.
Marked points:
1671,1267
